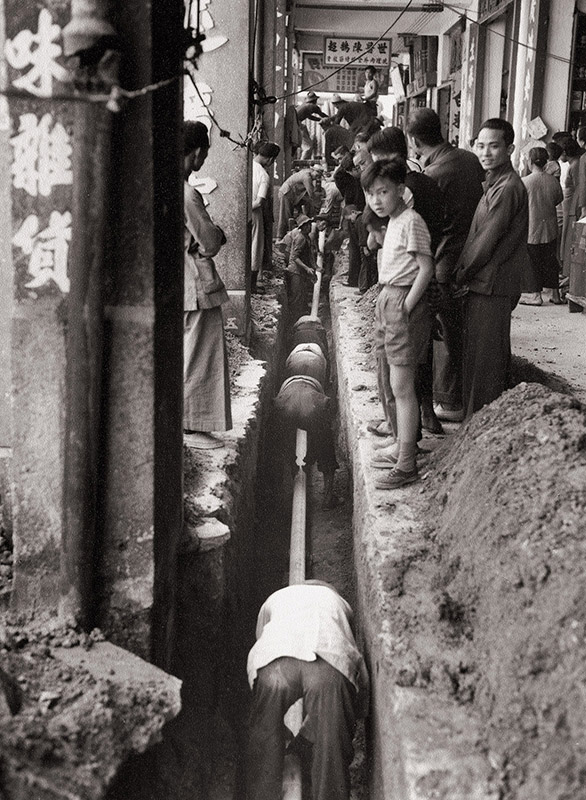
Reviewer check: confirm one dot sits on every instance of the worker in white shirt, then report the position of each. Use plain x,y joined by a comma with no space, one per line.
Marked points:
305,648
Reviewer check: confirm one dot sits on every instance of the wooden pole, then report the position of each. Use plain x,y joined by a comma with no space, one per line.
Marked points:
292,784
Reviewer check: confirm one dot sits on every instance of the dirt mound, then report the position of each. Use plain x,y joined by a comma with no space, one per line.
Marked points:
506,525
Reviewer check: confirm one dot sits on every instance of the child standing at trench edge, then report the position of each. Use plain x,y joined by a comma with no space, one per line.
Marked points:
402,316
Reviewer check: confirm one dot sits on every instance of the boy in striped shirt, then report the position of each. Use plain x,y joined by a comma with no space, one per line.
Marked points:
402,317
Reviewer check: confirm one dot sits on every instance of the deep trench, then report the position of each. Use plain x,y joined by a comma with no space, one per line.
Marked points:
201,754
329,557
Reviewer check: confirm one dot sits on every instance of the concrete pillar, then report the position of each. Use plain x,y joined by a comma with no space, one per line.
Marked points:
472,66
223,80
282,163
530,74
142,449
6,284
269,63
139,495
34,241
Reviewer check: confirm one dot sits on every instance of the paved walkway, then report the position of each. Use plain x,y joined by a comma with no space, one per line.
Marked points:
554,341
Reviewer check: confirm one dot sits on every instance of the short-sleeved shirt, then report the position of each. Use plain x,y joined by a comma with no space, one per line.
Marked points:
260,181
304,622
406,235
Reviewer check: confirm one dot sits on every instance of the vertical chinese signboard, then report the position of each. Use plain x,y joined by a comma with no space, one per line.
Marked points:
41,151
34,241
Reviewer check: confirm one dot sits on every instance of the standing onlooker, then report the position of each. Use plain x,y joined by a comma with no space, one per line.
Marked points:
571,153
402,316
490,266
206,376
297,189
581,188
459,175
423,195
261,190
347,180
369,94
554,152
544,193
305,648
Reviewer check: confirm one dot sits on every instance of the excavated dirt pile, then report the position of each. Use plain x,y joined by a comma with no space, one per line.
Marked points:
506,574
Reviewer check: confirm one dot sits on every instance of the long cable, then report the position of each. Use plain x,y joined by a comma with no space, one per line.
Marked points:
510,38
356,58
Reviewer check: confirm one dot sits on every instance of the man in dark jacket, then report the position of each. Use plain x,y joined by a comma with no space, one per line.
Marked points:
490,267
356,114
459,175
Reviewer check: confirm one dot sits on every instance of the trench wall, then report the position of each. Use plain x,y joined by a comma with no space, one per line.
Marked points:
471,593
215,619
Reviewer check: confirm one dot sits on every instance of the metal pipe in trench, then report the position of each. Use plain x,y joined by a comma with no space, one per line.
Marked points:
292,780
292,783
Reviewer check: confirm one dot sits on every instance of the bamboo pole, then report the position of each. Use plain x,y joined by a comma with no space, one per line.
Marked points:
292,784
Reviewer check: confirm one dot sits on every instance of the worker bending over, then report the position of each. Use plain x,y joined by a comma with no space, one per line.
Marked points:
305,648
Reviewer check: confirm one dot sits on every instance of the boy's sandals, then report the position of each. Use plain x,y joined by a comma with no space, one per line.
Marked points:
380,428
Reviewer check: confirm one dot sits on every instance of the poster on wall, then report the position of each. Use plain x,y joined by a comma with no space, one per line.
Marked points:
348,79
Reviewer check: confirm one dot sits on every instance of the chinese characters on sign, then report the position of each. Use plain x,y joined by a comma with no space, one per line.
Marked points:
41,150
38,51
47,249
42,155
340,50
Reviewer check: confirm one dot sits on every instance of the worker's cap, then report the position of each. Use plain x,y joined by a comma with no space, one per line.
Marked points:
303,219
318,168
336,99
311,96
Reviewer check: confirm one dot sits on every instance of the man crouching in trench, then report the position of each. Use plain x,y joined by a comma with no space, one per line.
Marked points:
305,648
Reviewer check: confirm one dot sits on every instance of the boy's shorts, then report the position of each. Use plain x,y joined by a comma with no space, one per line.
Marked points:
403,339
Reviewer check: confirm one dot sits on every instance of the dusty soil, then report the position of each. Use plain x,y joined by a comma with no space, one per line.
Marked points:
59,725
492,611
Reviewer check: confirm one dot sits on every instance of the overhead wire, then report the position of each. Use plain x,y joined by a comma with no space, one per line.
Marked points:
512,39
117,96
352,61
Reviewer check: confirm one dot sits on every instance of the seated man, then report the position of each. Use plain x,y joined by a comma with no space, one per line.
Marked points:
305,648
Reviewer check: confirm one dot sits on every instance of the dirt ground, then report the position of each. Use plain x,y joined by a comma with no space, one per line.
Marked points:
492,611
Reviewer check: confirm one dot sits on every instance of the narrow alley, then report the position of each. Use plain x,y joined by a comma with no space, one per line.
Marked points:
293,400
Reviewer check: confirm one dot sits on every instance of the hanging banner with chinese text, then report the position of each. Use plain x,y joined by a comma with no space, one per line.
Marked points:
341,50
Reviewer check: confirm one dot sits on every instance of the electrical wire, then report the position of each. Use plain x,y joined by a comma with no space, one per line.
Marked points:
349,64
224,134
510,38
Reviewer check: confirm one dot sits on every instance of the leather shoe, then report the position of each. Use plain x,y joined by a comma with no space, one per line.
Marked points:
448,414
396,478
